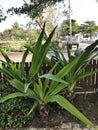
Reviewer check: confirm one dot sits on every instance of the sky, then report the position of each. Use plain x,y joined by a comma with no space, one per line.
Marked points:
6,4
82,10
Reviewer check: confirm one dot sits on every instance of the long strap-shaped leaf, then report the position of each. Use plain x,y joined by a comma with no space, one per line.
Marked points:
35,54
63,72
20,87
6,57
40,55
23,63
10,73
46,82
9,67
84,57
10,96
33,107
70,108
86,74
38,44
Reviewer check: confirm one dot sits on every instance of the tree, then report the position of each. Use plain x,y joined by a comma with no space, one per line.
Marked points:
29,25
15,33
31,31
7,34
65,27
2,16
19,33
89,27
16,25
1,35
35,10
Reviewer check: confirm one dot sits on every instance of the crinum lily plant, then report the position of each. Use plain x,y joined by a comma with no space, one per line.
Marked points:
44,88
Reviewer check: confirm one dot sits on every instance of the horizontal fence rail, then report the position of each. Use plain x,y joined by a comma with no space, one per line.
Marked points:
87,84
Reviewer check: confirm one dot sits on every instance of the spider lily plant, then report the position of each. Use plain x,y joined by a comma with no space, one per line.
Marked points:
77,72
42,89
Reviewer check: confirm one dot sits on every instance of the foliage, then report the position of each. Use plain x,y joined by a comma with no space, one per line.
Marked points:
2,16
51,18
33,8
77,72
13,113
18,33
65,27
42,89
39,12
13,46
89,27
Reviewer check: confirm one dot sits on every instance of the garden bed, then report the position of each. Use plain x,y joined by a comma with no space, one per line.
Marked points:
56,116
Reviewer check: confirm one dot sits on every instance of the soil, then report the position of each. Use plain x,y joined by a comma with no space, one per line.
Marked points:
55,116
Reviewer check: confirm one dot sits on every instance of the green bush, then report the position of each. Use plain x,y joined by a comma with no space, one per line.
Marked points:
12,46
13,113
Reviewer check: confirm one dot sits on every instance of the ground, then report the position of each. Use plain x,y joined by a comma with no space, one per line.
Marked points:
87,104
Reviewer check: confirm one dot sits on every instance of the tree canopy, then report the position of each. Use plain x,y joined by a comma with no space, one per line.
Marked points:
17,33
65,27
33,8
89,27
2,16
36,9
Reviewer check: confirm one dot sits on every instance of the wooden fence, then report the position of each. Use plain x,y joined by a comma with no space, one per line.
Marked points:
88,84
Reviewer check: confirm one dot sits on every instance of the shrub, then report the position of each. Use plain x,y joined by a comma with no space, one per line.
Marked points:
13,113
41,89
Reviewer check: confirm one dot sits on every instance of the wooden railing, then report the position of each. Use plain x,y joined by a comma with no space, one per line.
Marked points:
88,84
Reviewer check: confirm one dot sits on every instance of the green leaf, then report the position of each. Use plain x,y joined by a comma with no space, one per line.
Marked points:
39,43
86,74
26,86
38,91
20,87
9,64
23,63
70,108
46,82
10,70
33,107
65,70
34,66
6,72
58,56
58,89
5,57
54,78
39,56
68,52
86,54
10,96
10,73
17,84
